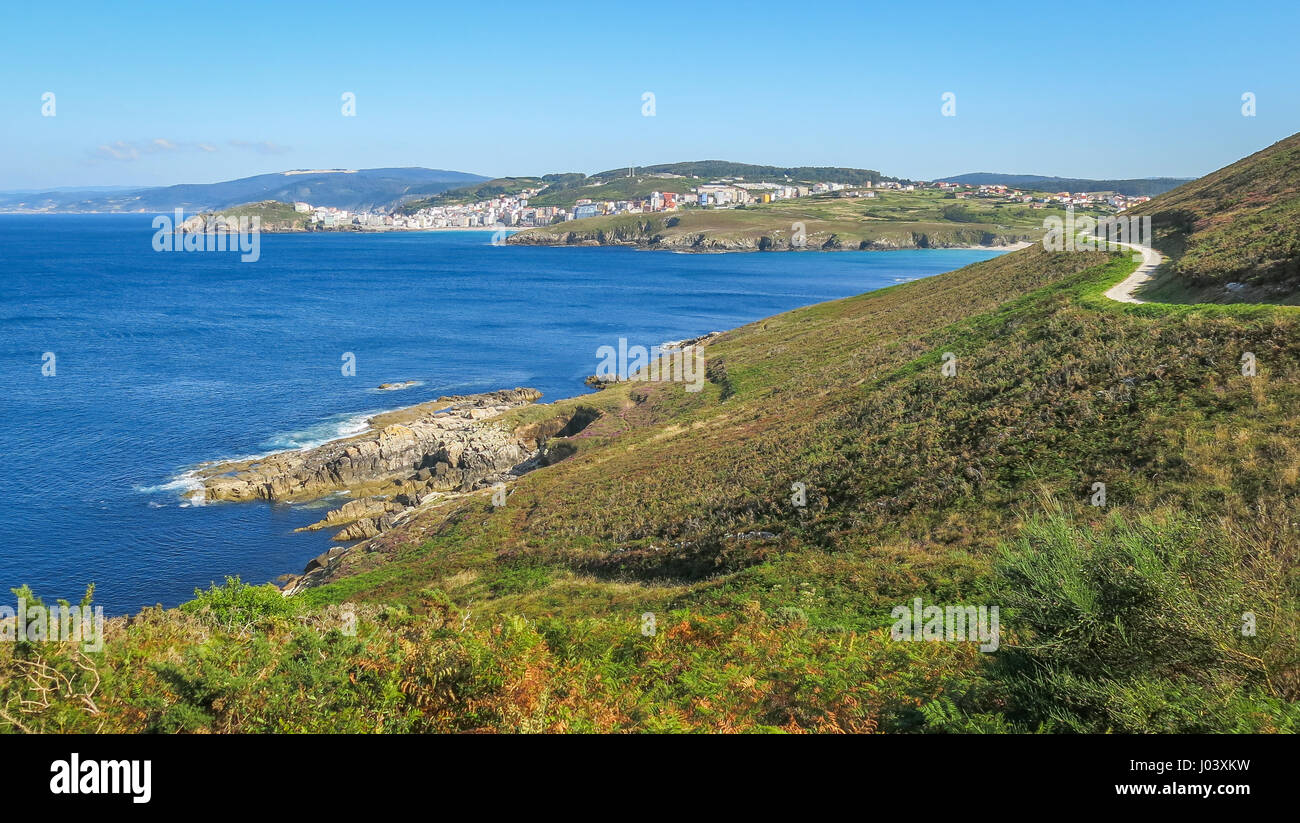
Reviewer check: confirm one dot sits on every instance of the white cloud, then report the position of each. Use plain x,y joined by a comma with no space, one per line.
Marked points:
132,150
121,150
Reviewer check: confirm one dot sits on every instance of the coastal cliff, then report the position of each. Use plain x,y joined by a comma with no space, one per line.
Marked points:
650,236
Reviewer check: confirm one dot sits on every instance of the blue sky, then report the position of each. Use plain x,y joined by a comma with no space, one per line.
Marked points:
157,94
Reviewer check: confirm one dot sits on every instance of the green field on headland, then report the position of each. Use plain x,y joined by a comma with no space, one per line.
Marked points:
273,216
889,220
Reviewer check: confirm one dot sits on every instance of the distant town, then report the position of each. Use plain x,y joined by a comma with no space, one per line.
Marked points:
514,211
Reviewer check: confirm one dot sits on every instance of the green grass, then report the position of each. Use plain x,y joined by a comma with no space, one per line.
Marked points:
273,214
1137,626
715,169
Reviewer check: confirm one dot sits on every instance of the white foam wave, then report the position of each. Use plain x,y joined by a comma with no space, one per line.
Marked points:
186,485
318,434
189,488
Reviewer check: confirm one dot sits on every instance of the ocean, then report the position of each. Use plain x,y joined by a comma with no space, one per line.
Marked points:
124,367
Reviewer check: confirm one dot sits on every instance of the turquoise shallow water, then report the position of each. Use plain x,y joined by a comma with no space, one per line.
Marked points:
164,360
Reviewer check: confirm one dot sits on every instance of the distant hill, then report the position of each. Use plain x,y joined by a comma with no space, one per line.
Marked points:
61,189
1239,225
634,182
1146,186
413,188
485,190
713,169
344,189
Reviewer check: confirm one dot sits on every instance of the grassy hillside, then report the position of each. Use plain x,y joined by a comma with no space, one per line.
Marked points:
659,577
713,169
614,188
474,193
557,190
921,219
1239,225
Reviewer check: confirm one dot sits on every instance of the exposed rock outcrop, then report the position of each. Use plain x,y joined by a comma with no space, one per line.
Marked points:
407,459
441,446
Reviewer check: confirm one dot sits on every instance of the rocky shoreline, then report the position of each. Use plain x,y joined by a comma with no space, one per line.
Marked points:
405,460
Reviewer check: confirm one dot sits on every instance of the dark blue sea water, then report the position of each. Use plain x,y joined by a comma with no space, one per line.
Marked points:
164,360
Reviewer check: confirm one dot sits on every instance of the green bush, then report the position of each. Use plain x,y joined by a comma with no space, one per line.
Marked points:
1137,626
236,604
